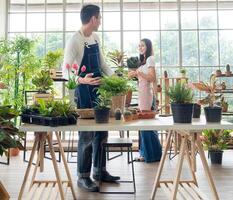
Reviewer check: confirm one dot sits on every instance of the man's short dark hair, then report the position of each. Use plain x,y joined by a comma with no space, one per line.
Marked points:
88,11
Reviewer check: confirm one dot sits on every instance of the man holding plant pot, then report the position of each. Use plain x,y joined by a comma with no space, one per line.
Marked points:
83,48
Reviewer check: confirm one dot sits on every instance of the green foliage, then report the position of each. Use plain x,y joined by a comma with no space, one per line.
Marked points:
180,93
55,108
103,100
114,85
43,81
9,134
133,62
127,113
53,58
118,58
215,139
182,70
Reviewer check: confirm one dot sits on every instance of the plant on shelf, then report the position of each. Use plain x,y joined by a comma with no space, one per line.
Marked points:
215,141
212,112
9,135
181,98
102,106
128,116
183,72
228,70
52,59
43,81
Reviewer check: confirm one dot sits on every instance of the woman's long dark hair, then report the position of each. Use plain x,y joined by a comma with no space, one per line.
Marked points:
149,51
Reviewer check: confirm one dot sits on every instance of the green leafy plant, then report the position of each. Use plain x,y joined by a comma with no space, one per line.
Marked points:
133,62
9,135
118,58
215,139
104,99
114,85
43,81
180,93
53,58
210,89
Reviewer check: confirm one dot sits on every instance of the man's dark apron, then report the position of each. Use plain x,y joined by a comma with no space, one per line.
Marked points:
86,94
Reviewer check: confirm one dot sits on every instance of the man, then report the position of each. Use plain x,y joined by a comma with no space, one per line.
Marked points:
83,49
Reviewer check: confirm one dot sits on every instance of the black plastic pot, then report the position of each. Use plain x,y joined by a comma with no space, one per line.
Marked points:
117,115
213,114
26,118
102,115
72,119
182,113
216,157
196,110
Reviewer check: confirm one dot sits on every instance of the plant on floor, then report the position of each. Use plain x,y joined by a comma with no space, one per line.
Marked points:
212,112
181,98
215,141
9,135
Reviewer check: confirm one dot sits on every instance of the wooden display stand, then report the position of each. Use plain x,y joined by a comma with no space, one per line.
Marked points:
44,96
3,193
178,188
46,189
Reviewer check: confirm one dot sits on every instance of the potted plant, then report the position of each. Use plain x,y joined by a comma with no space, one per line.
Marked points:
218,72
9,135
196,110
118,114
117,87
102,106
43,83
53,59
215,141
183,72
133,63
181,102
127,116
213,113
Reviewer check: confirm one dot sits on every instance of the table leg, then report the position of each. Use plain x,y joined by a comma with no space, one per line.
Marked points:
65,164
55,166
28,167
206,168
161,164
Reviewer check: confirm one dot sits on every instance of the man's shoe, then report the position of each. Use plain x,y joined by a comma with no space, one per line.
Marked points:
106,177
87,184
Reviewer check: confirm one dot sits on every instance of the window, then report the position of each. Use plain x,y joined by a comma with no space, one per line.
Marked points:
195,34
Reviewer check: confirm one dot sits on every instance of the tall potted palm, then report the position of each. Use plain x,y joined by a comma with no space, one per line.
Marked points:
181,103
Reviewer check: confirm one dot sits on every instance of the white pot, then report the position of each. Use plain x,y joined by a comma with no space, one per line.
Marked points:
72,98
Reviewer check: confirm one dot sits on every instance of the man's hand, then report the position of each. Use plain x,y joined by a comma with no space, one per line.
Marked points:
89,80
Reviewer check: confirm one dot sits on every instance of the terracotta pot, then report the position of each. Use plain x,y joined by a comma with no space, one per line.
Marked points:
14,151
128,118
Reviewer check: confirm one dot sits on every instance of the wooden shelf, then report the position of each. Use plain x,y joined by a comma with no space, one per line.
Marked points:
224,91
224,75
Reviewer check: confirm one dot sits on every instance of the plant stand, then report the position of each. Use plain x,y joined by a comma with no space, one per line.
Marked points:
3,193
187,189
44,189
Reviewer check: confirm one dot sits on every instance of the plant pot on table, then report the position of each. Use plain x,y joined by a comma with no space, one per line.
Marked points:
213,114
102,115
182,113
216,156
196,110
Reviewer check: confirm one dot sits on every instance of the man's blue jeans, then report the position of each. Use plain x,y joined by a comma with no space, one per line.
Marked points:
89,148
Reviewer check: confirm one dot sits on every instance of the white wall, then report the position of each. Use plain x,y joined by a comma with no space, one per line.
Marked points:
3,18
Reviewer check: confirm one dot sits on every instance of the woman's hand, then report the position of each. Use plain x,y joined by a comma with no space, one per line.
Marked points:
132,74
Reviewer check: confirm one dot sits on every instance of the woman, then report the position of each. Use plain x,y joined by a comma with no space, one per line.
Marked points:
150,147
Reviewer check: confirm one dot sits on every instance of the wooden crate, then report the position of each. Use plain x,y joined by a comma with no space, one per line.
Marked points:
44,96
3,193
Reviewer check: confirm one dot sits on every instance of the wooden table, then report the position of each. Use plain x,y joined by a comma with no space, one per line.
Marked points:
176,188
